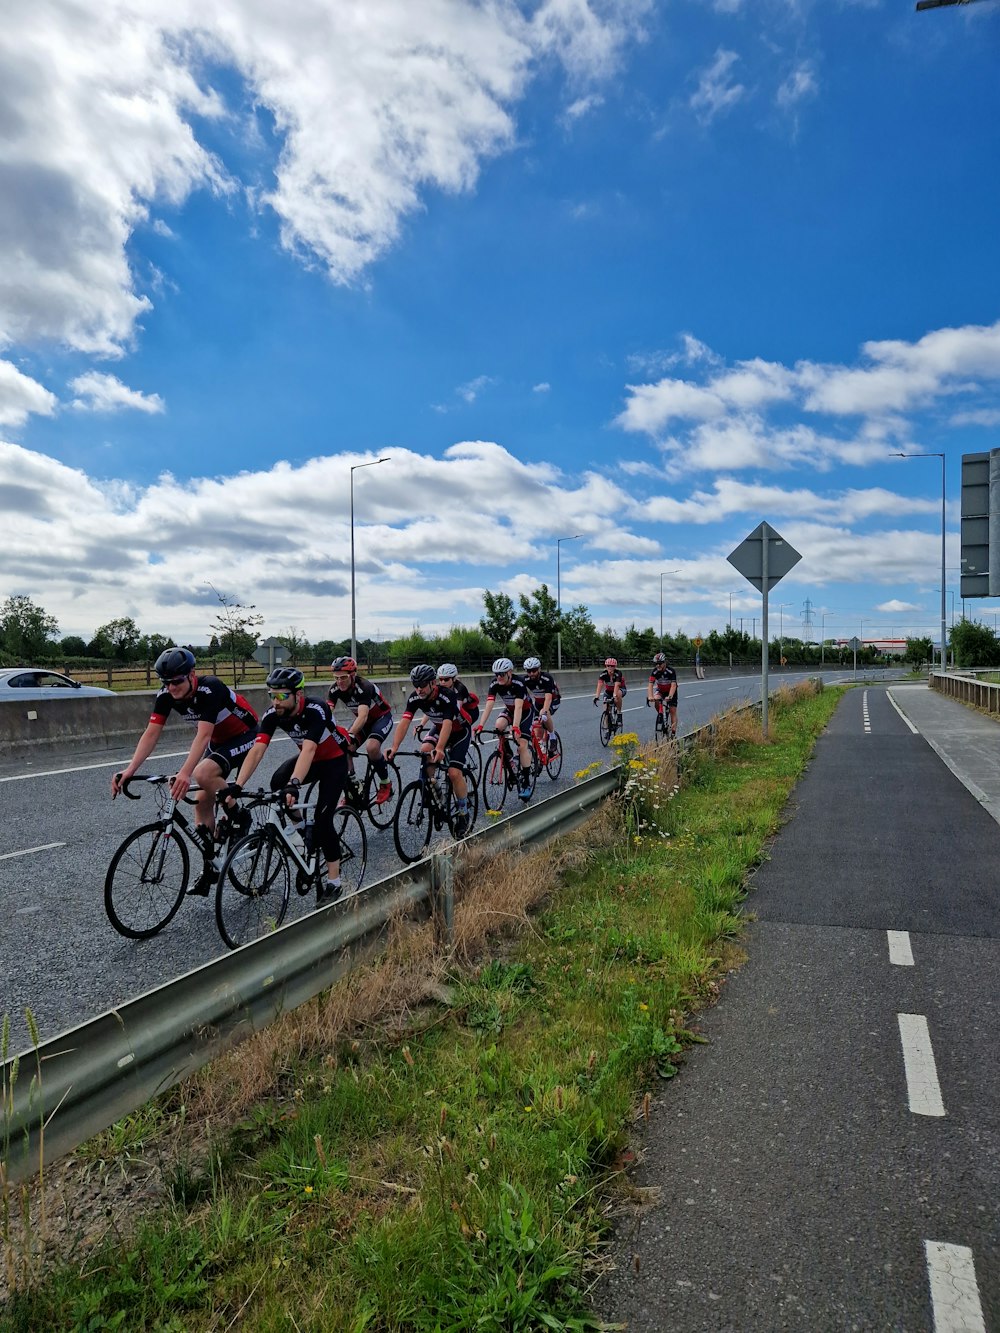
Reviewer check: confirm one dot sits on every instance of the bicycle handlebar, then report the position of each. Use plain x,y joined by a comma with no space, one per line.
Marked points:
154,780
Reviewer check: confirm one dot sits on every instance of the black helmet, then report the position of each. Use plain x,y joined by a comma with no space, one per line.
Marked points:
285,678
174,662
423,675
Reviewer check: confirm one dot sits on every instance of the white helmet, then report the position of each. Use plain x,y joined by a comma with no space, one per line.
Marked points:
447,669
501,665
532,664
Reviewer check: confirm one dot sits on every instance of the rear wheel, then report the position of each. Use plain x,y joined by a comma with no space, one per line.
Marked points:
251,898
474,762
353,848
473,805
661,730
494,782
411,826
146,881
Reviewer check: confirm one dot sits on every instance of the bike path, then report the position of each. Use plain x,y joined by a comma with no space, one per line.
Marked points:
793,1186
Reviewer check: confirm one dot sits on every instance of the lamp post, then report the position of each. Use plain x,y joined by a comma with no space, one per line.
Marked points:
940,455
666,571
559,542
354,635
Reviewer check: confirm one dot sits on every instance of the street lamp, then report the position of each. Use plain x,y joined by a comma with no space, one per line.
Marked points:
666,571
354,635
781,629
559,542
943,532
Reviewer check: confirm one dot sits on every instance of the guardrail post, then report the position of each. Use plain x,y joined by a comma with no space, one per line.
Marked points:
443,897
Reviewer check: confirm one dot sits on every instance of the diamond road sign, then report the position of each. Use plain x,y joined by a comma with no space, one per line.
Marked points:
855,644
748,557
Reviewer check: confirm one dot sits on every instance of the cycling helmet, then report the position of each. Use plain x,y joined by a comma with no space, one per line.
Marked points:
447,669
532,664
343,664
423,675
611,662
659,659
501,665
285,678
174,662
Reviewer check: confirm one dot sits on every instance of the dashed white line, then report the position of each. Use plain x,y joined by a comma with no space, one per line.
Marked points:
954,1291
900,952
864,713
922,1086
26,851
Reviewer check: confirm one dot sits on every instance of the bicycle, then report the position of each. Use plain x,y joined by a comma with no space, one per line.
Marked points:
611,720
502,772
360,794
541,757
255,881
427,805
663,728
147,879
473,756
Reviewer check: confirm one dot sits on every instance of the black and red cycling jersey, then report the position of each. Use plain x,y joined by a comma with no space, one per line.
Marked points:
509,694
468,703
362,694
609,679
212,701
541,685
442,706
311,721
662,678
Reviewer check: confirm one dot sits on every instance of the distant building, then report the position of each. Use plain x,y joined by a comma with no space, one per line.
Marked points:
892,647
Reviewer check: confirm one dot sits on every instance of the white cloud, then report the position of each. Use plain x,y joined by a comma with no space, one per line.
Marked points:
727,6
716,92
582,106
372,104
986,416
895,606
105,393
543,387
20,396
800,84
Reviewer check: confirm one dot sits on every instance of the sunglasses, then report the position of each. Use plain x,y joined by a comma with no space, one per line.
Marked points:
280,695
177,680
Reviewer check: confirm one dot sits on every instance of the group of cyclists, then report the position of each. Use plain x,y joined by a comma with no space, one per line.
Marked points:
230,739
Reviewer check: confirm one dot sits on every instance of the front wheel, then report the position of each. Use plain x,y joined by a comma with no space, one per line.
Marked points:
251,898
554,766
494,782
411,826
607,727
353,846
383,815
146,881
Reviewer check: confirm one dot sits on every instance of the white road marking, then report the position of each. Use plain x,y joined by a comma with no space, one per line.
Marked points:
83,768
696,695
895,705
864,713
922,1085
954,1291
44,847
900,952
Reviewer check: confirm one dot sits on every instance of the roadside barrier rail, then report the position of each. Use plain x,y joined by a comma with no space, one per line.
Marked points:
967,687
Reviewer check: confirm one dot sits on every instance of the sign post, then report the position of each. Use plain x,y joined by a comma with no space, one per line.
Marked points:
855,643
764,558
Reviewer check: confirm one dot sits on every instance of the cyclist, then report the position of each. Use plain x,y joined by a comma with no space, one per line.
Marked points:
449,735
545,696
321,759
662,688
612,682
516,711
372,717
467,701
225,726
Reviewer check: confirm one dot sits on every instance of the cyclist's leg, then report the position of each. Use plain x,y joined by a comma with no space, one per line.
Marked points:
210,774
330,776
374,740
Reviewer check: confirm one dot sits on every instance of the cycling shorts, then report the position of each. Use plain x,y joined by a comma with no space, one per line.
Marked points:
528,716
455,750
539,710
381,729
229,754
662,688
609,691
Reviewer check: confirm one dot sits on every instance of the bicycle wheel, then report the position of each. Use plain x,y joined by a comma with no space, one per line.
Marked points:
606,727
660,729
494,782
471,812
554,766
251,898
411,825
382,815
474,762
353,848
146,881
618,720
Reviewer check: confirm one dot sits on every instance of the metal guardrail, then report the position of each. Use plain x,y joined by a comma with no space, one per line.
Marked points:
98,1072
967,687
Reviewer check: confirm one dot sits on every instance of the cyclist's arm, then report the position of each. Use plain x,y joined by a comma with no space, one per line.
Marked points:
359,722
484,715
144,748
518,710
546,703
402,727
305,761
202,735
443,735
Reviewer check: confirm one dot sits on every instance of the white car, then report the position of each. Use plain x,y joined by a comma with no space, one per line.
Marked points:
28,684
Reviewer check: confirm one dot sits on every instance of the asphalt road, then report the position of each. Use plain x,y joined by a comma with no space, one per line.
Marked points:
59,830
831,1160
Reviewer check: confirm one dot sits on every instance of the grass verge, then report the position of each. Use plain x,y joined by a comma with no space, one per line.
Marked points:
433,1144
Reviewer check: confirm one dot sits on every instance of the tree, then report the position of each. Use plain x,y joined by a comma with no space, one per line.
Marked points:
919,651
73,646
500,620
539,619
580,639
235,627
974,645
118,640
151,645
296,643
25,629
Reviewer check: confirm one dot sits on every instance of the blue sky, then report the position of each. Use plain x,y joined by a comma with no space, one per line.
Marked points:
649,272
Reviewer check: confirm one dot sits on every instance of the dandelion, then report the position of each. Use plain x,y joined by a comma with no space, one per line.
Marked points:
528,1108
308,1189
644,1008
